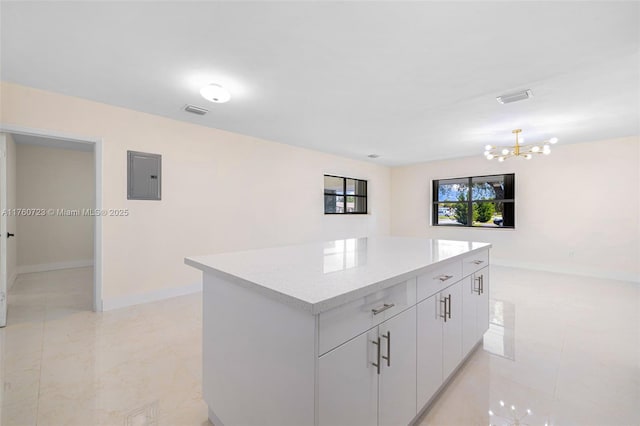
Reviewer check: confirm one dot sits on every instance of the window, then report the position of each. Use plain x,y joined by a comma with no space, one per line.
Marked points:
490,199
344,195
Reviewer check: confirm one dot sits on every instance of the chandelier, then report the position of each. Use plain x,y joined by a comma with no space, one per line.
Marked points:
518,150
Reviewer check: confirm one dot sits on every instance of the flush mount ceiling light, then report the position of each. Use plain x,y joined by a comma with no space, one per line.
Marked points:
215,93
518,150
514,97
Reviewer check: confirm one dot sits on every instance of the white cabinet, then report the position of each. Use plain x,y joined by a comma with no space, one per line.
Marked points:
397,404
348,383
439,339
375,360
469,313
451,328
342,323
434,281
371,379
483,302
429,348
450,323
474,262
475,300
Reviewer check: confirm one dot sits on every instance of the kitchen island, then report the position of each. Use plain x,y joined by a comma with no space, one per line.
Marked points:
362,331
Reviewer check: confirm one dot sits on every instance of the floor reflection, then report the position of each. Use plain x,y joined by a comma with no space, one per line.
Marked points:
500,338
62,364
506,414
574,365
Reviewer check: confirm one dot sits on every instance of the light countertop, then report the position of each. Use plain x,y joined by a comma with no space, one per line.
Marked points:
319,276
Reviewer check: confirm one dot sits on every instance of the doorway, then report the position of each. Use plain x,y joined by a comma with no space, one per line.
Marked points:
51,192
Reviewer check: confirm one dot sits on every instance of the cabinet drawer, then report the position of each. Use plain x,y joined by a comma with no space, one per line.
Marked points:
475,262
347,321
437,279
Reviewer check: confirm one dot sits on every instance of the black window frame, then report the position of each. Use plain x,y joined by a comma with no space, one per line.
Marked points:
510,187
345,195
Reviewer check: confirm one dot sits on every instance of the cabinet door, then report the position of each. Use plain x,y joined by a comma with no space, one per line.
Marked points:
397,385
483,303
452,330
470,298
429,348
348,383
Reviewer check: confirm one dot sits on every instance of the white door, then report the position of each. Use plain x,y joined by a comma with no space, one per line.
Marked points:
483,302
3,230
470,298
429,348
348,382
452,330
397,401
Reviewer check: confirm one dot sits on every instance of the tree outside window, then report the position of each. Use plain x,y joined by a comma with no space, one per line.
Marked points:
480,201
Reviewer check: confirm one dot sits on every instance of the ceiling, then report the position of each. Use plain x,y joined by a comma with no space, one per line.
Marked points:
410,81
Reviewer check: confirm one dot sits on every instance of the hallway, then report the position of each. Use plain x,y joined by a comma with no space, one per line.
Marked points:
64,364
47,295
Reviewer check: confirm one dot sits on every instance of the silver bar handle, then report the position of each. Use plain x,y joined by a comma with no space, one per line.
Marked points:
477,262
388,357
444,314
478,290
482,284
384,307
377,365
443,277
449,311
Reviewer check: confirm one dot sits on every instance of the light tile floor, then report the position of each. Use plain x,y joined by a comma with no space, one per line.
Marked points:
565,347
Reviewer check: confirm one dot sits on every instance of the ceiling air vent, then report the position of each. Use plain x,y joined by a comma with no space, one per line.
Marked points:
195,110
514,97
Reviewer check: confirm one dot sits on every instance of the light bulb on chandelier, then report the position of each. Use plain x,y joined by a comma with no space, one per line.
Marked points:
518,150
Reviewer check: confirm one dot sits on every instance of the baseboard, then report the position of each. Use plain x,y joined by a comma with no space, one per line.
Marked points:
43,267
154,296
584,272
12,280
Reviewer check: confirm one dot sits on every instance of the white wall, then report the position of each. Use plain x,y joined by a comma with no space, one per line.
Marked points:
224,191
50,178
12,266
577,210
220,191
